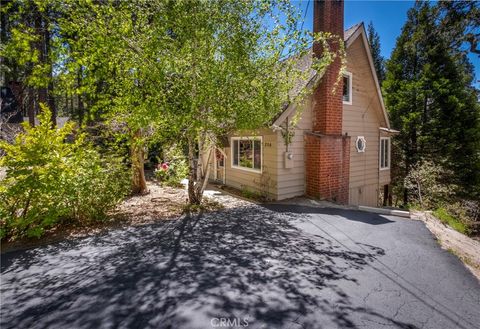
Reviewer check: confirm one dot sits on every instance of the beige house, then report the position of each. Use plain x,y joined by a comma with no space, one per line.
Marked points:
340,148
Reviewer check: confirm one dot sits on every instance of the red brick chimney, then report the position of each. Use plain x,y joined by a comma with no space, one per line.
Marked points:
328,17
327,152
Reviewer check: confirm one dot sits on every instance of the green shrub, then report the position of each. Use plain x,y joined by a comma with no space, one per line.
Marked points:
171,173
426,187
50,181
174,167
445,217
247,193
99,184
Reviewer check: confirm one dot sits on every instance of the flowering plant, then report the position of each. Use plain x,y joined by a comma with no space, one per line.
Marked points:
171,173
163,166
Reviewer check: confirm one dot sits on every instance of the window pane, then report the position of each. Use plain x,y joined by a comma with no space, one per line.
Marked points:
257,158
246,153
387,153
346,89
235,152
220,158
382,153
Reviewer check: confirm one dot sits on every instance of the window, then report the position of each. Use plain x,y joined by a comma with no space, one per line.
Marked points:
247,153
220,158
384,153
361,144
347,88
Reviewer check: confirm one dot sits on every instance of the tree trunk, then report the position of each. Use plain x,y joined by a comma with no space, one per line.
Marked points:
139,183
192,174
40,48
31,106
198,173
50,93
407,171
79,98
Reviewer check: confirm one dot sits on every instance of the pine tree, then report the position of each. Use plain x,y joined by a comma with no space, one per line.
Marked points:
460,22
430,99
378,60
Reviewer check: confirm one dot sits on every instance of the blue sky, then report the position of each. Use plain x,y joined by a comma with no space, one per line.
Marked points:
388,18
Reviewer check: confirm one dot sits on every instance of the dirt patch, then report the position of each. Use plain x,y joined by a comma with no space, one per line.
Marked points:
160,204
464,247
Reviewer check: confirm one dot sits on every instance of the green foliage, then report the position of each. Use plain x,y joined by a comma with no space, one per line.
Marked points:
460,23
429,95
378,60
187,70
171,173
50,180
445,217
252,195
173,168
426,187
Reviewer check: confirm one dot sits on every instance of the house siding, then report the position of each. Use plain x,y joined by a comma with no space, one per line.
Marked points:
363,118
264,183
291,181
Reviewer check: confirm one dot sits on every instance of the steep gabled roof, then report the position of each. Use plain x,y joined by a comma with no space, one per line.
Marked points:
350,35
350,31
360,32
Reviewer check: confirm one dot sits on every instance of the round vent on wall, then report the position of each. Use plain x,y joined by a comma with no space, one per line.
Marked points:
361,144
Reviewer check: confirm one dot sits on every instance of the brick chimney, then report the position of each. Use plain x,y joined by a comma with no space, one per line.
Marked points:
327,152
328,17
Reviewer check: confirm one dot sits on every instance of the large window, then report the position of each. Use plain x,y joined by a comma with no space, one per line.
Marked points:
347,88
384,153
247,153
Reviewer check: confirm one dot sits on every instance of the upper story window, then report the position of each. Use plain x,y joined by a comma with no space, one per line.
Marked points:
384,153
347,88
247,153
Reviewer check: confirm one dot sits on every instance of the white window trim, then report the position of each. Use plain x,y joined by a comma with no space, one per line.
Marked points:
257,171
349,75
389,153
364,144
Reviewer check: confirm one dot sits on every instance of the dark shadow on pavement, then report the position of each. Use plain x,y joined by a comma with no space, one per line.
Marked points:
353,215
244,264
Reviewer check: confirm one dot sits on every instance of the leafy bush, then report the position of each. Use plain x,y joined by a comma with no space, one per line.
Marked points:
99,184
430,190
465,213
426,186
50,180
174,166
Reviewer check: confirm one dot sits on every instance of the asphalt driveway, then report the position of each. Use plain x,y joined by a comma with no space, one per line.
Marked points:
248,267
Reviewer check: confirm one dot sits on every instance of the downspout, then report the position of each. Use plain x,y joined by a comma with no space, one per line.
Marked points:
288,136
378,166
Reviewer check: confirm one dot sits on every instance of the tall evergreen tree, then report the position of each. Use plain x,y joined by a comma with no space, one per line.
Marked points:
28,53
378,60
460,23
430,98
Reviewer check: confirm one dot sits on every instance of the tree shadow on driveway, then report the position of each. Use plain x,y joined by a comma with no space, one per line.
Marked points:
240,266
359,216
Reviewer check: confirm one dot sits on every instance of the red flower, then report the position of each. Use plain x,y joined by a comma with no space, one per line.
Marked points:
164,166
